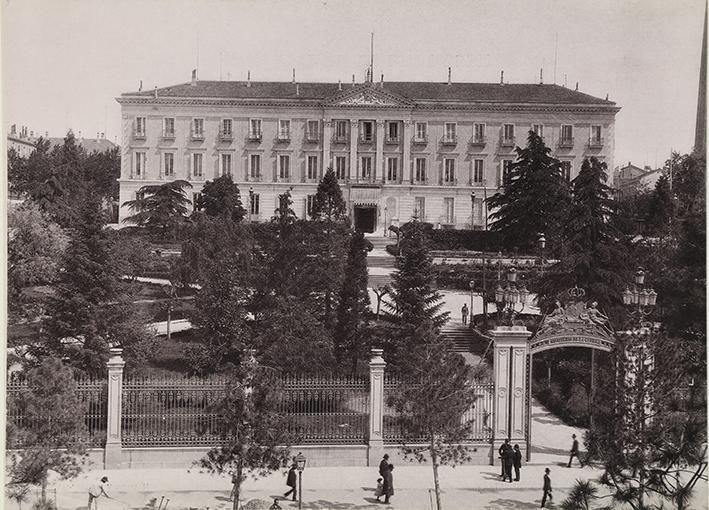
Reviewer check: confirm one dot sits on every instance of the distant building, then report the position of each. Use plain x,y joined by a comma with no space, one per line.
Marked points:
22,141
630,179
98,144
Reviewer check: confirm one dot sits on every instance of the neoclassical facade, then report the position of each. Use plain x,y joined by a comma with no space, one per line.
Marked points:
400,150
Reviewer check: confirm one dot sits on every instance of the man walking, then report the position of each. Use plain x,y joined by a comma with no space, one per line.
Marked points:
384,465
97,490
464,313
547,487
509,459
503,448
574,451
291,482
517,461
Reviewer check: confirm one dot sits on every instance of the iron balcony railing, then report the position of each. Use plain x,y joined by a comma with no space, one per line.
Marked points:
478,140
168,134
507,141
312,137
392,140
226,136
595,143
197,135
283,137
449,140
420,139
255,136
139,134
566,142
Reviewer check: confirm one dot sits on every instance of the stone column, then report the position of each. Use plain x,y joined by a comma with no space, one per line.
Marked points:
510,377
326,138
379,160
113,457
406,170
354,141
376,407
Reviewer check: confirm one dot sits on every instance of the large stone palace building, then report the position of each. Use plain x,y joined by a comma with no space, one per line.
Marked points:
400,150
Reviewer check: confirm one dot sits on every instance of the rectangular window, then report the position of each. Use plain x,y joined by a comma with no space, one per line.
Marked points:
448,211
226,164
312,167
393,131
341,130
567,135
196,201
538,130
284,129
596,140
449,132
508,133
198,128
420,208
310,200
478,133
313,130
255,205
366,169
139,164
255,129
283,166
506,170
367,128
421,131
197,165
478,166
392,169
255,166
226,127
566,170
449,171
168,127
420,167
341,167
169,164
140,126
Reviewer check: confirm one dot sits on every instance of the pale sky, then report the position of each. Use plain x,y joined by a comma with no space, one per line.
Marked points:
64,61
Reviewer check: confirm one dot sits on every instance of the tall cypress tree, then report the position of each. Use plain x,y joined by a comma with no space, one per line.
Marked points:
533,198
661,208
329,203
351,329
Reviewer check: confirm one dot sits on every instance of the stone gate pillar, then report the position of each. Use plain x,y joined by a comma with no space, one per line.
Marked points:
375,449
113,457
510,377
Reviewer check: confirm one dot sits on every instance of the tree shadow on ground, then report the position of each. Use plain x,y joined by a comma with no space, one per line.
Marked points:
502,504
491,476
323,504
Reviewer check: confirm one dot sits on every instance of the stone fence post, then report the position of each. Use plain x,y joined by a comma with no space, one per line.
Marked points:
376,407
113,457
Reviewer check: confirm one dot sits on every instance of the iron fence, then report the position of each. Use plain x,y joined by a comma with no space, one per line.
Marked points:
93,398
479,416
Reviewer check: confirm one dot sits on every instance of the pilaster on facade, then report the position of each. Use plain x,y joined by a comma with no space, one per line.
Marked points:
326,139
406,167
354,136
380,169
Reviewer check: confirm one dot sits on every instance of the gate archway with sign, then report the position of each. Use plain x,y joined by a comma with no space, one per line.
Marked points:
573,324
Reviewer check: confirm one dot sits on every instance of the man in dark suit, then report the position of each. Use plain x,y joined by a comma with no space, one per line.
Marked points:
384,465
574,451
517,461
547,487
509,459
501,451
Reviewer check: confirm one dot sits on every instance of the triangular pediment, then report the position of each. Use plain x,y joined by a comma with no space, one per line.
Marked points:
369,95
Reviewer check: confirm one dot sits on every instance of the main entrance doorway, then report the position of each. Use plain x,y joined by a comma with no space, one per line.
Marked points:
365,218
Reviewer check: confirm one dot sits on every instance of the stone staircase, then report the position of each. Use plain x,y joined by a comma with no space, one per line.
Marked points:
381,260
459,335
380,243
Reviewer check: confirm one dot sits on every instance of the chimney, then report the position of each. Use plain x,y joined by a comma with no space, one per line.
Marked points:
647,168
577,86
339,84
502,77
606,96
353,80
294,75
194,77
248,78
541,76
80,137
449,76
97,136
13,129
31,134
381,83
140,87
46,134
103,135
155,92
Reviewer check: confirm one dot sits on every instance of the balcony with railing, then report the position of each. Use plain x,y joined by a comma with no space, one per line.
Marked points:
420,140
507,141
449,140
392,140
139,134
478,141
226,136
449,182
168,134
254,136
197,135
595,143
566,142
312,136
367,139
283,137
342,138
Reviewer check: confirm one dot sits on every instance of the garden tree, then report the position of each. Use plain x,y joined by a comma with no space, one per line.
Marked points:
593,255
255,434
102,170
132,255
533,199
329,203
221,198
35,248
293,341
649,427
414,299
160,207
350,333
56,437
432,403
660,209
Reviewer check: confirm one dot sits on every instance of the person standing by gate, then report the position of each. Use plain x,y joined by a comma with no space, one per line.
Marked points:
574,451
508,457
464,313
547,487
517,462
501,452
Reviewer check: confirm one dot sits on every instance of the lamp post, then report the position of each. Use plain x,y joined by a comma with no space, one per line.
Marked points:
508,297
542,245
385,221
472,291
472,210
251,201
300,465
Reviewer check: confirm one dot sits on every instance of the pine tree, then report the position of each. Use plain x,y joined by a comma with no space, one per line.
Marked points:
160,207
329,203
221,198
533,198
593,255
352,316
661,208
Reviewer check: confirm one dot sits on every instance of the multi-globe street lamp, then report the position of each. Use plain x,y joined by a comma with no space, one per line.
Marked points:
508,297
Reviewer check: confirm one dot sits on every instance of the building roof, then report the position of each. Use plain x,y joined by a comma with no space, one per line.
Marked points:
88,144
417,91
